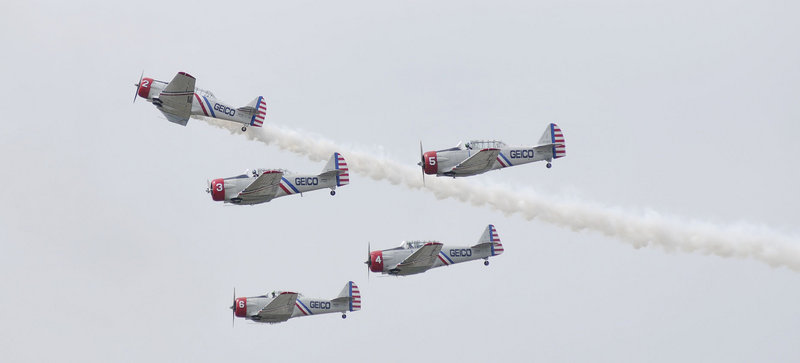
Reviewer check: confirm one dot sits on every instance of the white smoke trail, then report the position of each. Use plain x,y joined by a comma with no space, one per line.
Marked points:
650,229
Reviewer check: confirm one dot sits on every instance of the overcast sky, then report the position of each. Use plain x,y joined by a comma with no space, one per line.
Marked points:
110,249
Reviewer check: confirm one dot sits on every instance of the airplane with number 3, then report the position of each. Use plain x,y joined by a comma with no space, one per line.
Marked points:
263,185
477,157
413,257
179,99
279,306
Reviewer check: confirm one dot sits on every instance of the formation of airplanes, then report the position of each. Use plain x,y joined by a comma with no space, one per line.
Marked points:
179,99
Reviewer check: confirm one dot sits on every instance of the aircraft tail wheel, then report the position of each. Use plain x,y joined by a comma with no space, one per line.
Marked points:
333,192
549,165
244,129
344,316
486,263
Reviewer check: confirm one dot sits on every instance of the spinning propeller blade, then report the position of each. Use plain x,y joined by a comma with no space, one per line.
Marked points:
233,309
138,85
422,162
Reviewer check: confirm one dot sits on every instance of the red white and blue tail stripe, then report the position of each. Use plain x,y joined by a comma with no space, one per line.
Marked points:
560,147
260,113
494,238
355,297
342,178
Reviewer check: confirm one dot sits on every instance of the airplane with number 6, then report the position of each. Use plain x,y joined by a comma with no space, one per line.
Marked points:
413,257
179,99
477,157
263,185
279,306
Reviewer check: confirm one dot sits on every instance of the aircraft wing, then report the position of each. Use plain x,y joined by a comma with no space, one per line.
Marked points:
477,163
176,98
421,260
264,187
279,309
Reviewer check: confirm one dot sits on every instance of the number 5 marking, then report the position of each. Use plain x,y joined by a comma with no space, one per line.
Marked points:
431,160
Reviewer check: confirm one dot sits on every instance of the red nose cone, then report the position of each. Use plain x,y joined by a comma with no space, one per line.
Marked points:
218,189
430,163
144,87
377,261
240,307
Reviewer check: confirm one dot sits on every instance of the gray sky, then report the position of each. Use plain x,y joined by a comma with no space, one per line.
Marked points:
111,250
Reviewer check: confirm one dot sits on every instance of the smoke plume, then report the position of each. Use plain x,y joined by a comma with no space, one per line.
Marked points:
648,229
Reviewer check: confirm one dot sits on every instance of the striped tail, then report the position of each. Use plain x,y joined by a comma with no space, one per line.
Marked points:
353,294
497,247
557,137
342,178
260,112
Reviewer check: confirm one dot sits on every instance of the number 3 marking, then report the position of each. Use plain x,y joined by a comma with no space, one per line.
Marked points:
219,187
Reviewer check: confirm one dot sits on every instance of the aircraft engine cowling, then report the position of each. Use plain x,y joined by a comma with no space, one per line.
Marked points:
240,307
431,165
376,261
218,190
144,88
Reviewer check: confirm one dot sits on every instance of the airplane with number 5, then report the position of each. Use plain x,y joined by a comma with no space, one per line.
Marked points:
263,185
413,257
279,306
179,99
477,157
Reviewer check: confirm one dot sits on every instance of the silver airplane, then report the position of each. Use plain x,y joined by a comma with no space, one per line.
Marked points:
263,185
477,157
279,306
179,99
413,257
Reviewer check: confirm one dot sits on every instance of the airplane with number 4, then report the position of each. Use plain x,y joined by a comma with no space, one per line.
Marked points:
477,157
413,257
179,99
263,185
279,306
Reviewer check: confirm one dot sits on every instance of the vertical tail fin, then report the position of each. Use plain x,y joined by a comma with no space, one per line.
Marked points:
352,292
337,162
259,106
491,237
553,135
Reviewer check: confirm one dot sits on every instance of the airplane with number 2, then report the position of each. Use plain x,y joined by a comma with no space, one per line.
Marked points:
279,306
413,257
263,185
477,157
179,99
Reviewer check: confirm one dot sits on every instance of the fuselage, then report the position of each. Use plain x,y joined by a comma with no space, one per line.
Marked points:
204,103
386,261
304,306
290,184
441,162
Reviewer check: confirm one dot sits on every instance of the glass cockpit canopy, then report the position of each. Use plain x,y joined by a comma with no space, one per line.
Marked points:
484,144
414,244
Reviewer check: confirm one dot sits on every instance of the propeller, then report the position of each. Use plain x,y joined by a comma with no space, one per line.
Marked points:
233,309
422,162
138,85
368,262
